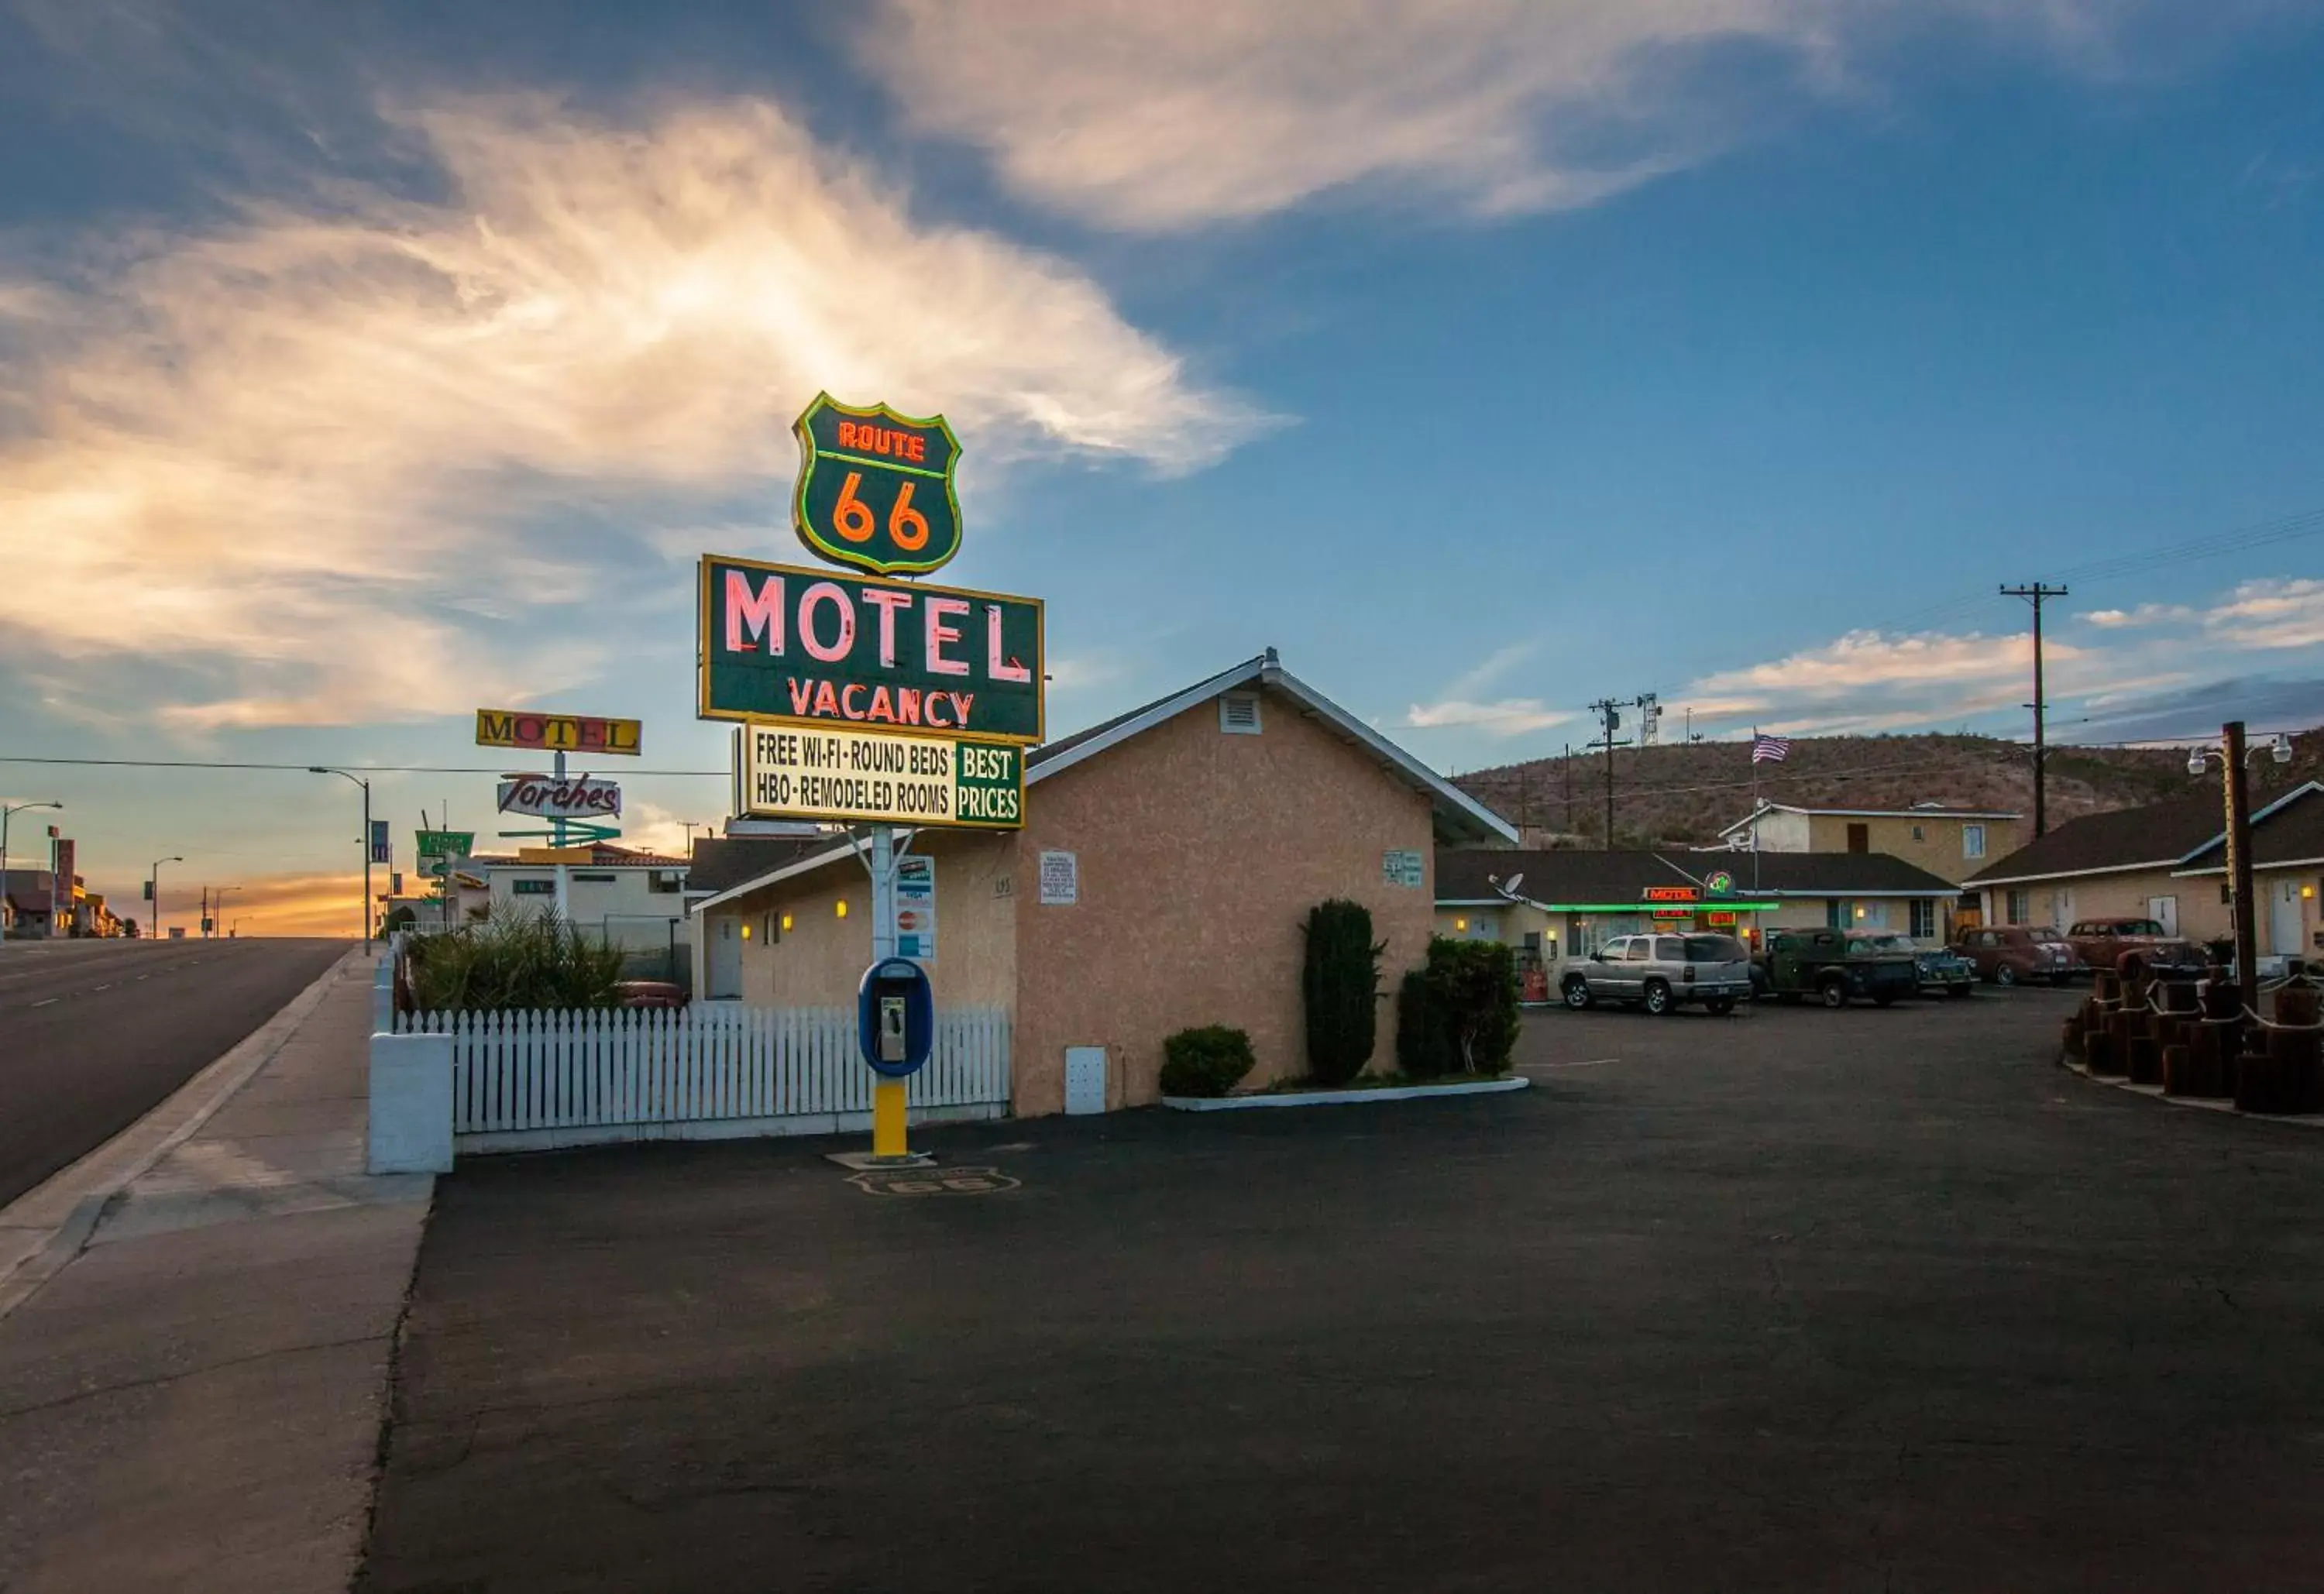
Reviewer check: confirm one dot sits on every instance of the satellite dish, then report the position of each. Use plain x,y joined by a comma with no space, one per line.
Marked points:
1513,883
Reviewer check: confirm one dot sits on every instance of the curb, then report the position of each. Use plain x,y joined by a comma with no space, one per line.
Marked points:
2222,1106
1490,1087
210,1088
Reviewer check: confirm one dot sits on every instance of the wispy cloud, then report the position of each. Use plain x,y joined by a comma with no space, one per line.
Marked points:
1152,117
2278,613
300,445
2143,615
1867,681
1509,716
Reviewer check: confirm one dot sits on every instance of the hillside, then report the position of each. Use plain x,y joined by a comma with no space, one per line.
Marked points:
1685,793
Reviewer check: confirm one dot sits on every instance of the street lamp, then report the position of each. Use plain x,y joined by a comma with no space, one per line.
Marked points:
153,888
5,812
218,908
359,780
2233,754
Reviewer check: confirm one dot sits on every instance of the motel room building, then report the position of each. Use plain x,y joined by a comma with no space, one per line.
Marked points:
2167,861
1948,842
1161,882
1565,904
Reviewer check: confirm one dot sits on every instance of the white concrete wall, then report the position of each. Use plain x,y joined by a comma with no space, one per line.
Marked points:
411,1114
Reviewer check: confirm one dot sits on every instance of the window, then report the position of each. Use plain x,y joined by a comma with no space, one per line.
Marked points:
1638,949
1923,922
1669,949
533,888
1835,913
1859,837
2020,906
1611,952
1715,949
1917,836
1972,841
591,880
1238,713
1869,915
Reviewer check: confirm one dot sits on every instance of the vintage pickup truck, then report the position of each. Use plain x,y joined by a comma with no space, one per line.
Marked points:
1833,966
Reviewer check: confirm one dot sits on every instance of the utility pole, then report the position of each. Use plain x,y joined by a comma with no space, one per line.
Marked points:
1608,711
2036,594
1567,764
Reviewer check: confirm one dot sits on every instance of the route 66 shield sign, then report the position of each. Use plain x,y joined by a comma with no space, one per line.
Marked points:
875,488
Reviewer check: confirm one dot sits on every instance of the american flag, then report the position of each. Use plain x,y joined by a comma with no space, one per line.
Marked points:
1770,749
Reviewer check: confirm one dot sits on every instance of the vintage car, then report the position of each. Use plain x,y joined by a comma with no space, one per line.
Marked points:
1661,973
2136,946
1835,966
1942,970
2015,954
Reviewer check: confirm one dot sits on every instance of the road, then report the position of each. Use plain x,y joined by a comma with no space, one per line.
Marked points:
1795,1301
94,1033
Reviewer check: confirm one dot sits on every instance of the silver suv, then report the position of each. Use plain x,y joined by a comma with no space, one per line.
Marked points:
1660,972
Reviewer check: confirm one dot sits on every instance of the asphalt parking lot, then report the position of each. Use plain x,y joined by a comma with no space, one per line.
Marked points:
1792,1300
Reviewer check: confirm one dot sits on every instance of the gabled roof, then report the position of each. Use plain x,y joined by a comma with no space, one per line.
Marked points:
2288,831
1465,875
722,862
2161,836
1459,817
1923,811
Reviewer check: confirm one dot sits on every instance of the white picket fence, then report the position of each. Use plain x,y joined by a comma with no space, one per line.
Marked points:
528,1081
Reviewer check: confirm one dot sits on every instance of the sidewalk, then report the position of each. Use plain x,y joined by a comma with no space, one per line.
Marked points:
193,1401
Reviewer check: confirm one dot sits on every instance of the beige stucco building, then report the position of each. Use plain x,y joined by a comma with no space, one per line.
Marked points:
1161,881
1951,843
2167,862
1565,904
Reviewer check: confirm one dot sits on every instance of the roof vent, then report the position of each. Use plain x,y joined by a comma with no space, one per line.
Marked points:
1238,713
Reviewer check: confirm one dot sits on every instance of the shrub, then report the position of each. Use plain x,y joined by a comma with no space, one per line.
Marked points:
1424,1032
1341,984
513,960
1475,984
1206,1062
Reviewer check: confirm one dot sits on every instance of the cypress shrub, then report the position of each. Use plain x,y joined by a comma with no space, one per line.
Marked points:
1206,1062
1477,983
1424,1038
1341,985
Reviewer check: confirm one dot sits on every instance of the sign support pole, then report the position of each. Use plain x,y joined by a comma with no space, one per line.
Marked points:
889,1140
563,891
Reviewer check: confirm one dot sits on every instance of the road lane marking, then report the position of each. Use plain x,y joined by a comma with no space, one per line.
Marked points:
107,986
45,1003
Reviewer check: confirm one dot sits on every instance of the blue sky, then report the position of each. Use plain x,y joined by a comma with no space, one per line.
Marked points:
362,365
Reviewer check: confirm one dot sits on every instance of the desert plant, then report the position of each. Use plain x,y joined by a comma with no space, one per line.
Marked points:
1206,1062
1475,984
1423,1031
1341,984
513,960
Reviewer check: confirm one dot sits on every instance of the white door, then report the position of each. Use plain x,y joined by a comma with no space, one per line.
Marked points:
2164,911
2283,918
725,960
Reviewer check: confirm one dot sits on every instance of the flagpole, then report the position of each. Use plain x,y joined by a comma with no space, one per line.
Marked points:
1755,812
